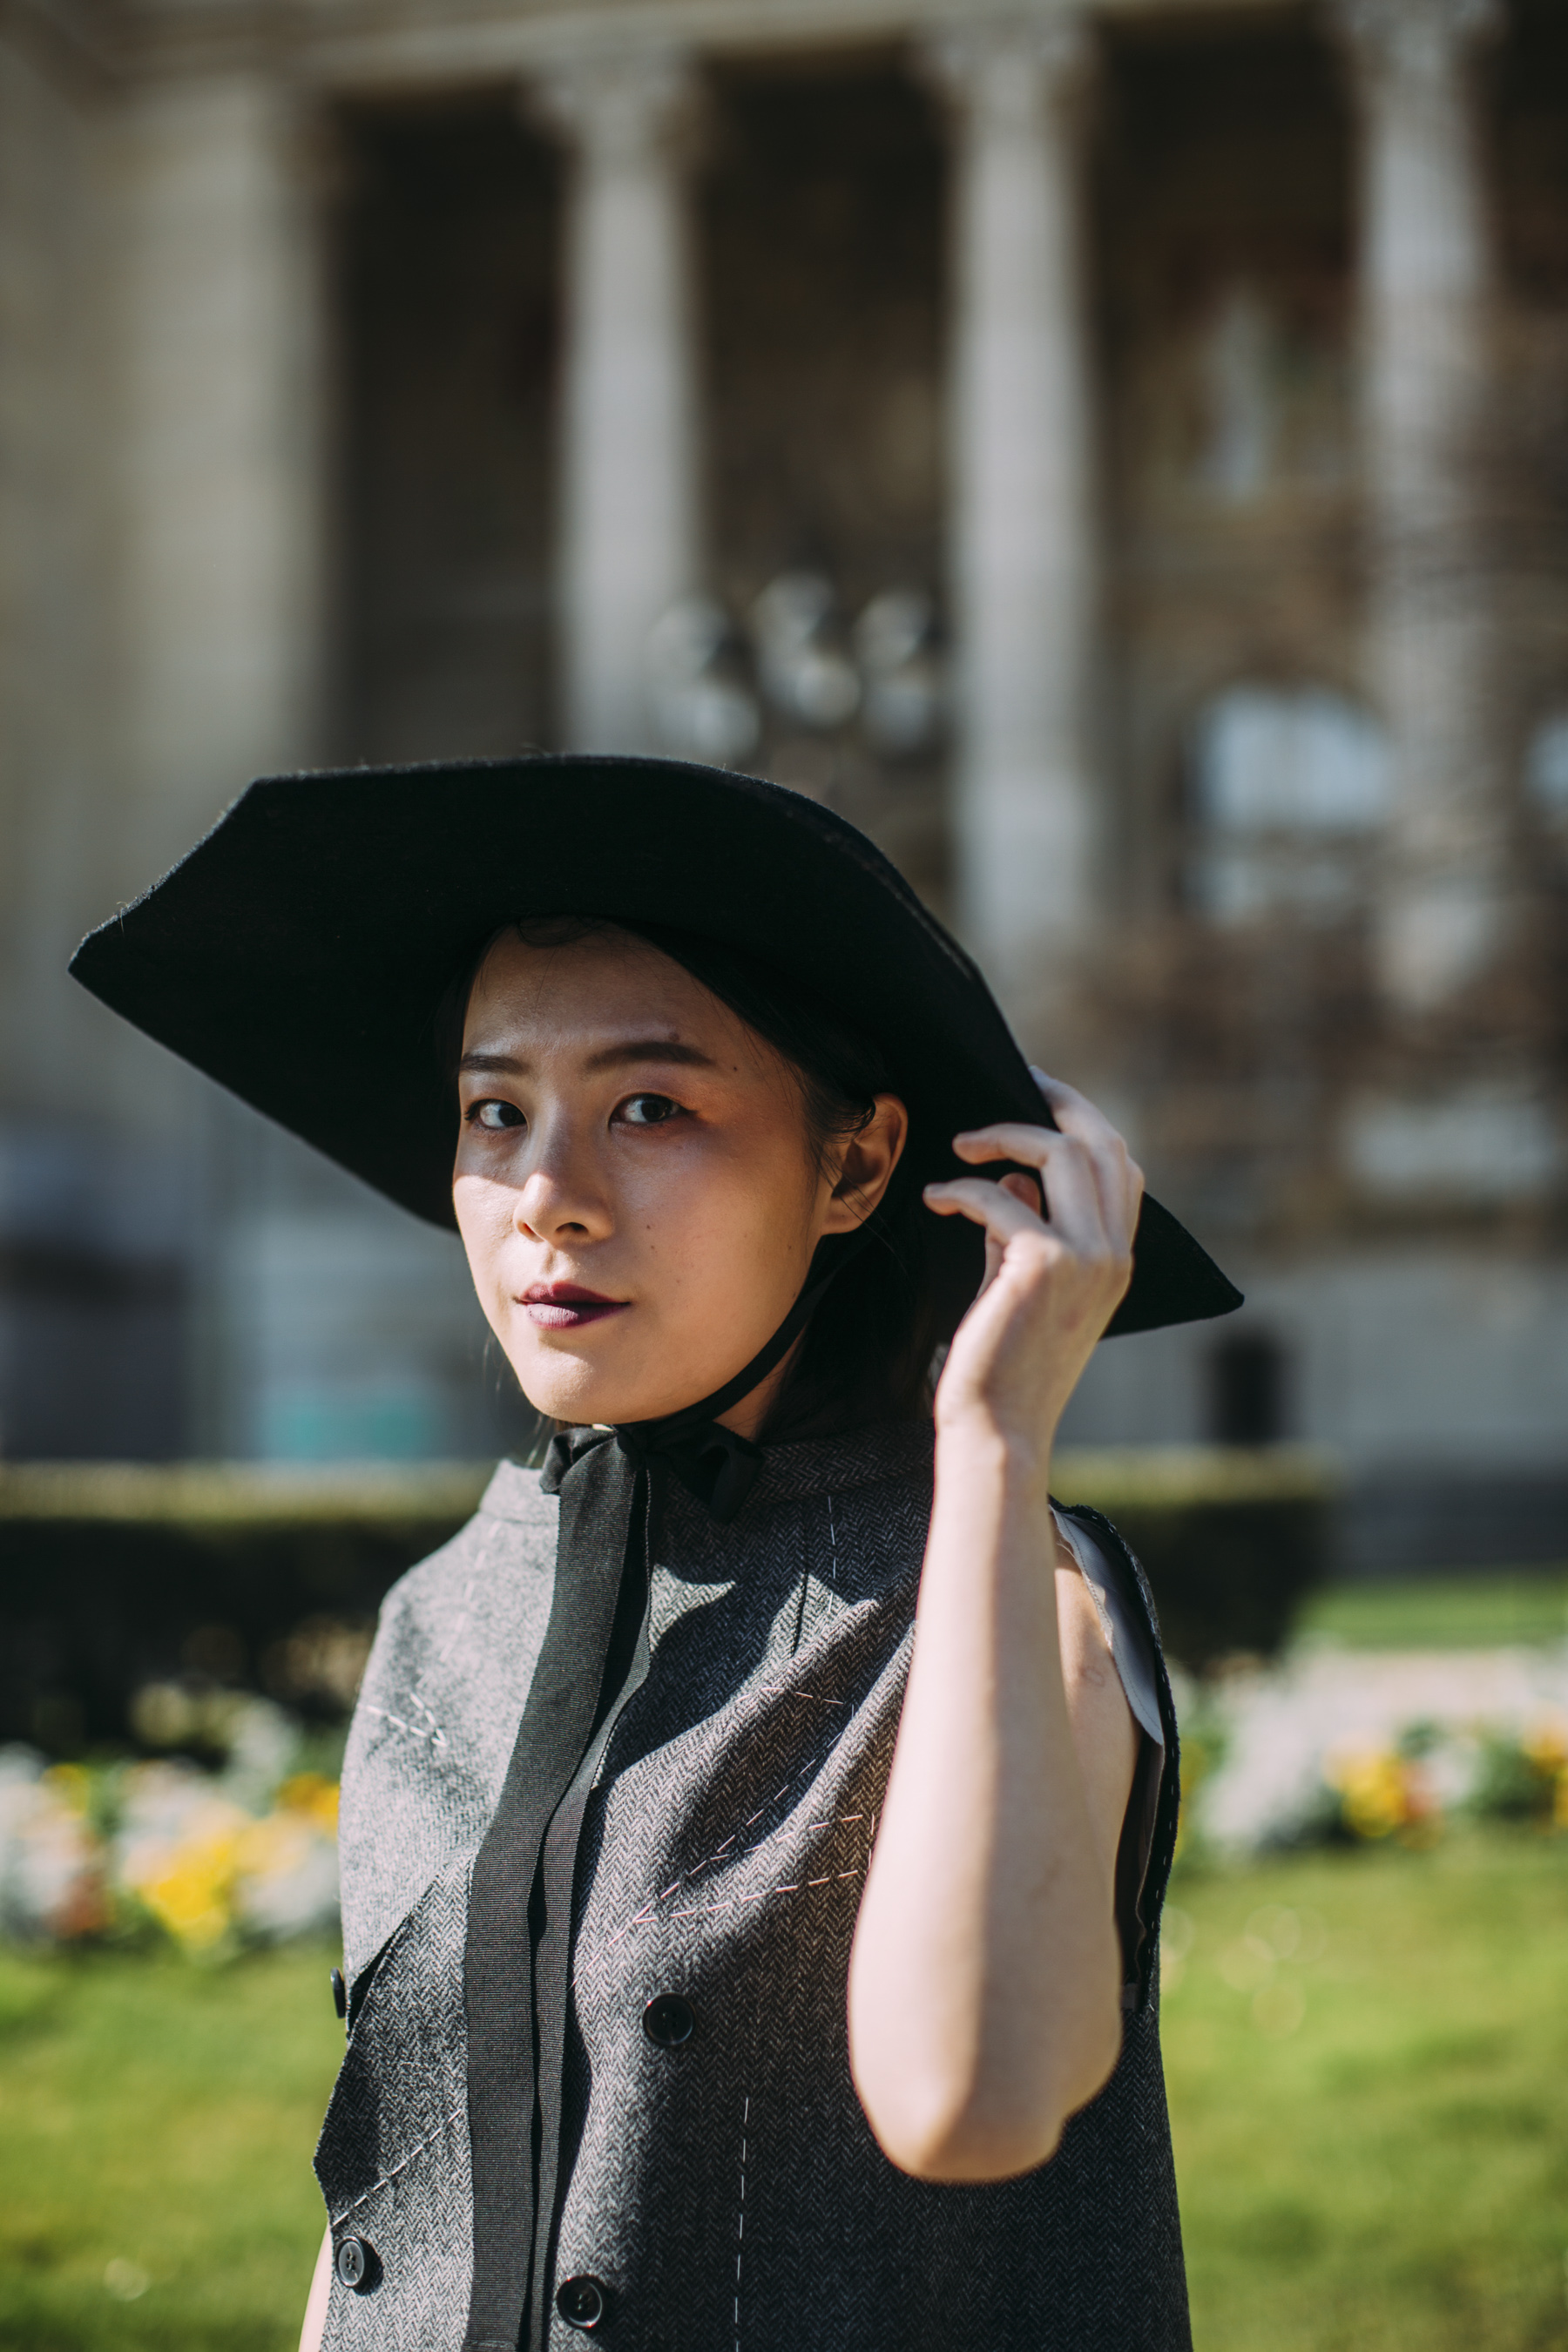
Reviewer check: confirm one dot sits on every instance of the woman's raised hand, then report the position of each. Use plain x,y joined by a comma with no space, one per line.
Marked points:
984,1991
1056,1270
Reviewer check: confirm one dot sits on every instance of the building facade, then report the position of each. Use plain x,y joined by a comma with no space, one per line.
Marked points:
1112,449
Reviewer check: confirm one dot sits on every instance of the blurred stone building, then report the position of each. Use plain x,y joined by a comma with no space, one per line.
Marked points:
1117,453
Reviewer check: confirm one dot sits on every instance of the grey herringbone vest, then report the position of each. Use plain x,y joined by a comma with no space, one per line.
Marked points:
723,2193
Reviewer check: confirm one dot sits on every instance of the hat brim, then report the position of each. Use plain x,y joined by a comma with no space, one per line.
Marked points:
322,919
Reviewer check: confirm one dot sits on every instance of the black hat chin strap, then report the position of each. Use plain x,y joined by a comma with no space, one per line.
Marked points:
712,1461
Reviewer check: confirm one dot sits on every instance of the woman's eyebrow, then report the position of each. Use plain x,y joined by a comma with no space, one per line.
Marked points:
608,1057
650,1049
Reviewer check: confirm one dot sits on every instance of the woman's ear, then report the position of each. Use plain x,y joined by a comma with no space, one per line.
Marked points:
869,1159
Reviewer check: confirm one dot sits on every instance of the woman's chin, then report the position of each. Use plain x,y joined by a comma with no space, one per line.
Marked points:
585,1395
592,1375
559,1384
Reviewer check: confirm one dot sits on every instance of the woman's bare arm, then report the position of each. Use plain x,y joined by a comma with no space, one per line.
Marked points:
319,2296
984,1985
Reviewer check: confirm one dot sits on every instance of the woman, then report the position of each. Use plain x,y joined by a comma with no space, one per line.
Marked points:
755,1825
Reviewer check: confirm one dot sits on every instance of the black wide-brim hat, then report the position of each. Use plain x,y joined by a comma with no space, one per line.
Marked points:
318,927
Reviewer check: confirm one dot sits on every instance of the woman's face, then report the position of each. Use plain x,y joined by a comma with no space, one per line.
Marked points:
633,1181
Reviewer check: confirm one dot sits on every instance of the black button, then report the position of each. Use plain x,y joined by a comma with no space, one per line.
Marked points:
340,1993
355,2264
582,2301
669,2021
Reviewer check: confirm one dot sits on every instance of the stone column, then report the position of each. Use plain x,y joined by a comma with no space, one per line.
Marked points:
1022,528
217,451
629,528
220,504
1427,272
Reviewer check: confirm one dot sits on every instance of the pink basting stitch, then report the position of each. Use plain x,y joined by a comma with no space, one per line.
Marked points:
641,1916
733,1902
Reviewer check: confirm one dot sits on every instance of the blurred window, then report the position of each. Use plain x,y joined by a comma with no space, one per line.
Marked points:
1288,789
1546,769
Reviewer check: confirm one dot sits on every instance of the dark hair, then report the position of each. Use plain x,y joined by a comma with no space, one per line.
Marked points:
867,1349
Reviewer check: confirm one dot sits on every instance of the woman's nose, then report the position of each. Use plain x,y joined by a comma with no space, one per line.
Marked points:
557,1199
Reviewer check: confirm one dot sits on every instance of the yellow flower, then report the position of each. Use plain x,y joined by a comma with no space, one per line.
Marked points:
187,1880
312,1794
1547,1746
1375,1795
192,1896
69,1782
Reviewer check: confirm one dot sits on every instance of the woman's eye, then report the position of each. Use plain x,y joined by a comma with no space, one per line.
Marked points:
495,1116
648,1110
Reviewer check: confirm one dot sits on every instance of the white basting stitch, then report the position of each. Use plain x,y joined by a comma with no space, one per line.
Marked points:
740,2214
833,1540
371,2191
446,1651
437,1739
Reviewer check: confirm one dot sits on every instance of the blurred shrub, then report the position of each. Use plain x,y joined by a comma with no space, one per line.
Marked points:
1232,1539
172,1588
1524,1779
133,1599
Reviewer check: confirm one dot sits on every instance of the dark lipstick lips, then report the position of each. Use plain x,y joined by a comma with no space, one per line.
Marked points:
566,1306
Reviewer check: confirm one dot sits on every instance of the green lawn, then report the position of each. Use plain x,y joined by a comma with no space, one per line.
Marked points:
1372,2130
1372,2134
157,2124
1442,1612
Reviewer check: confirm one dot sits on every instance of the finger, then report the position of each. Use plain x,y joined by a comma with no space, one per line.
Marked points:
1076,1115
1118,1185
1004,1218
1073,1113
1087,1197
1084,1205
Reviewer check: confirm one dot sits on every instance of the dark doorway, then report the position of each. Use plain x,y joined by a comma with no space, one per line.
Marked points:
1247,1390
447,318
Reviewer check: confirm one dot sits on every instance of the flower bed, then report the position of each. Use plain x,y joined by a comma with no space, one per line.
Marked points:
161,1848
1337,1745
